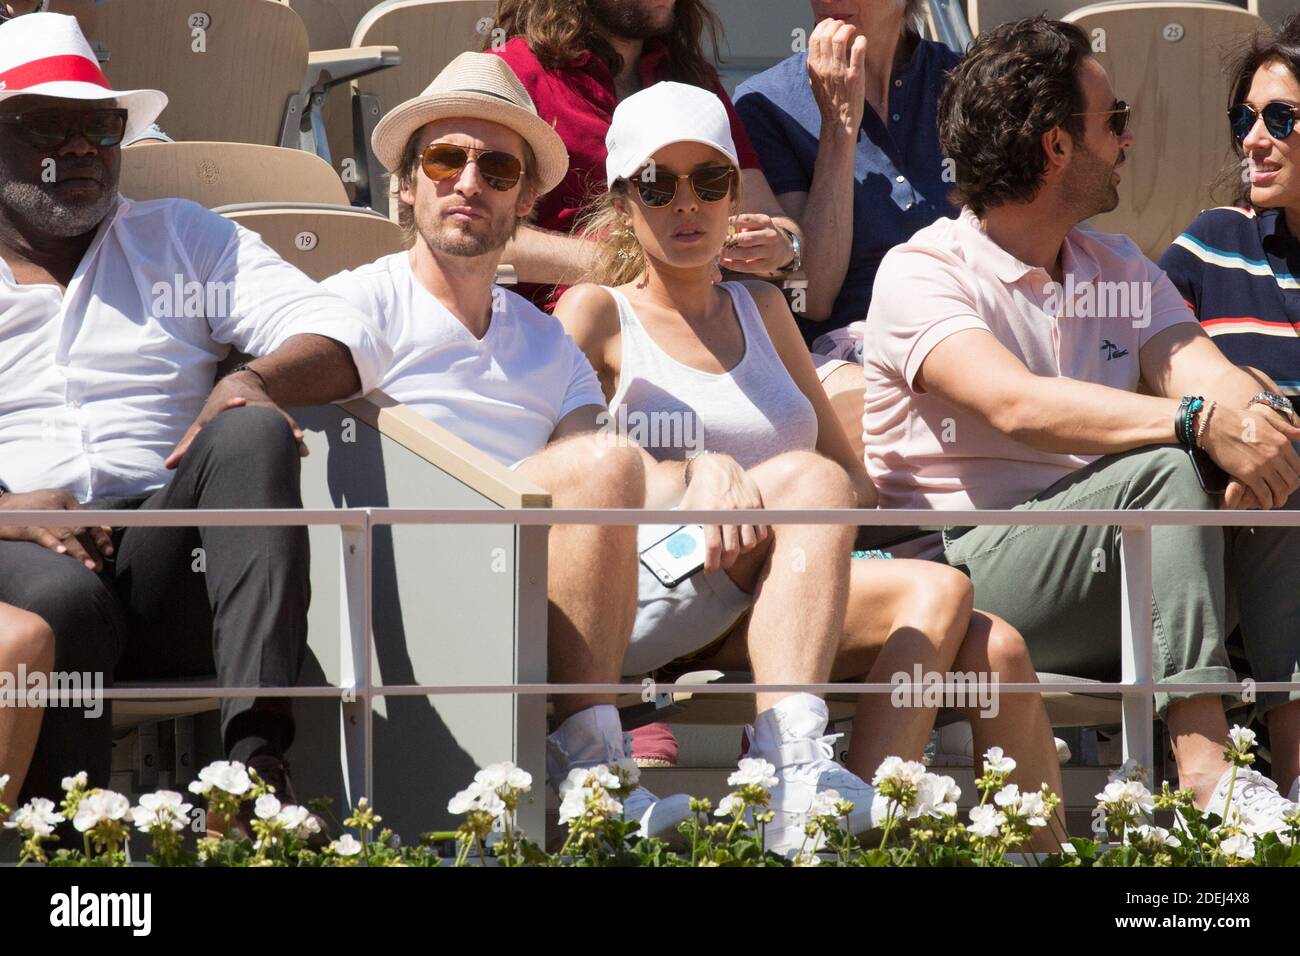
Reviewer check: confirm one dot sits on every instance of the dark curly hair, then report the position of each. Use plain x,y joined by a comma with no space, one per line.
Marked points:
1014,84
1260,49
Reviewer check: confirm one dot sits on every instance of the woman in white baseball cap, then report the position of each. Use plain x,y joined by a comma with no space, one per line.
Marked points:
717,374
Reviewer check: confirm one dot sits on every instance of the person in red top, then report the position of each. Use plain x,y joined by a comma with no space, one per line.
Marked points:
578,59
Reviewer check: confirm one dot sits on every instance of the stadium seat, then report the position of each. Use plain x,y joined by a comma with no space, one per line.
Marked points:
331,23
1164,59
319,238
984,15
217,174
430,34
1273,12
227,69
759,34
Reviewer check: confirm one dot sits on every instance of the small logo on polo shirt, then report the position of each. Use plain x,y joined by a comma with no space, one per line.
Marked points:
1112,350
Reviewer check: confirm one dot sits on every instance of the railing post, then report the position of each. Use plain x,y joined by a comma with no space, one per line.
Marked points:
1135,644
530,668
355,637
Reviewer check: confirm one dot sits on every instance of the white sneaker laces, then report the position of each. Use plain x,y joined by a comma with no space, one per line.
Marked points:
1260,796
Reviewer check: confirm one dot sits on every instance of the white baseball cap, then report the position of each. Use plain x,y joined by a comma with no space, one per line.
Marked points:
658,116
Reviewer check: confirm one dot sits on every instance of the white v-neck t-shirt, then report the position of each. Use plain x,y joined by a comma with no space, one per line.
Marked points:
503,393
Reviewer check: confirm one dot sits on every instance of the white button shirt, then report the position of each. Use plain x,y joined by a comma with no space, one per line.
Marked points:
98,383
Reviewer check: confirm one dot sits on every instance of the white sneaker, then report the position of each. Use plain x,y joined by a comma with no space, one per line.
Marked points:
1254,796
595,736
791,736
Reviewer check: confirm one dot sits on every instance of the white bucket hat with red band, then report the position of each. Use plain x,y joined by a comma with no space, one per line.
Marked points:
46,54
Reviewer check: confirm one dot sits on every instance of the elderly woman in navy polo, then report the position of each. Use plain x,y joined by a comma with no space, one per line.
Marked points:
1238,266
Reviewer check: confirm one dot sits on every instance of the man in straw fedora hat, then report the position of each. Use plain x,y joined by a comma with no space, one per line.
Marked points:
471,157
108,363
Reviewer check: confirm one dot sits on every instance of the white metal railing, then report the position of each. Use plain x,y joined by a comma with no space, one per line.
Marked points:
356,689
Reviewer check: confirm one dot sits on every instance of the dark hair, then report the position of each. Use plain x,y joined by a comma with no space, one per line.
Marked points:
557,31
409,168
1014,84
1261,48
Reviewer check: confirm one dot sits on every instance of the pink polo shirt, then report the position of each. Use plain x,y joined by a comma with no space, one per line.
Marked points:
923,452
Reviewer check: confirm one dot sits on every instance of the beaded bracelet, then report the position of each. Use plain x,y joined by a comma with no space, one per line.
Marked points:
1205,422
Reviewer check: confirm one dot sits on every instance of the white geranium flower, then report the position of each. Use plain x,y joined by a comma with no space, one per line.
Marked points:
1153,837
573,803
70,783
1240,846
732,805
166,808
1243,739
753,772
100,807
519,779
902,773
1008,796
346,845
492,803
823,803
995,761
36,816
1131,793
466,800
297,820
266,807
1033,809
936,796
227,775
985,821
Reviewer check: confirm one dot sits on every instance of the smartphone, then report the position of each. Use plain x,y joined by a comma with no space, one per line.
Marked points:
1213,479
676,556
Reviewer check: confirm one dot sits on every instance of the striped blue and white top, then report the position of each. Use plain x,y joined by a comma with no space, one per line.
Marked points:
1240,273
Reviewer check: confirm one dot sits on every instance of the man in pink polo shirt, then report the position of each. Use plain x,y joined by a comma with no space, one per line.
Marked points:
1014,359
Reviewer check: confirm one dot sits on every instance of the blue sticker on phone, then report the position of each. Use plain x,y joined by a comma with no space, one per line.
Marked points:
681,544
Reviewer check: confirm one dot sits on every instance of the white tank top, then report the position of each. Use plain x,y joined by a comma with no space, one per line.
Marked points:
752,412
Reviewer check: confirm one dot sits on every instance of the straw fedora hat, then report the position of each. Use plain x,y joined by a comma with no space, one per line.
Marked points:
481,86
46,54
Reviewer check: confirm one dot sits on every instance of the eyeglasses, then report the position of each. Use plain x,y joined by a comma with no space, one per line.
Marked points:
1279,120
710,184
50,129
1118,116
443,160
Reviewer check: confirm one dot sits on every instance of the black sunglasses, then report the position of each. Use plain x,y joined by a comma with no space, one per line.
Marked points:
443,160
1119,116
49,129
1279,120
710,184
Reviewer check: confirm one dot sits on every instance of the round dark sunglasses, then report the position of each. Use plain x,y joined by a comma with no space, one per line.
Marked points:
443,160
1279,120
710,184
50,129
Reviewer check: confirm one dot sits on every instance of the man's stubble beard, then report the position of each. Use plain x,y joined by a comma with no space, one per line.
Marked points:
440,236
629,21
1098,195
34,205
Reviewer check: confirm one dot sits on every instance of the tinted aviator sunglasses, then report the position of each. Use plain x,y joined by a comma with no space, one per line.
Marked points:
52,128
443,160
1279,120
1119,116
710,183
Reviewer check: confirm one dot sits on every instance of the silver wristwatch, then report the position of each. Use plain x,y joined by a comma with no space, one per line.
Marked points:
796,263
1279,403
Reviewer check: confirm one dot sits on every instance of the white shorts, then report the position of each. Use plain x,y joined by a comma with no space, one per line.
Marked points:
674,622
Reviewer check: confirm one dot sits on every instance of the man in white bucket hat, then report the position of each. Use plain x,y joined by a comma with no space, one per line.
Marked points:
471,157
108,361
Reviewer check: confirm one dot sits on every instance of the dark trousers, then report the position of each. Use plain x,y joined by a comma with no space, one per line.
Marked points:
180,602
